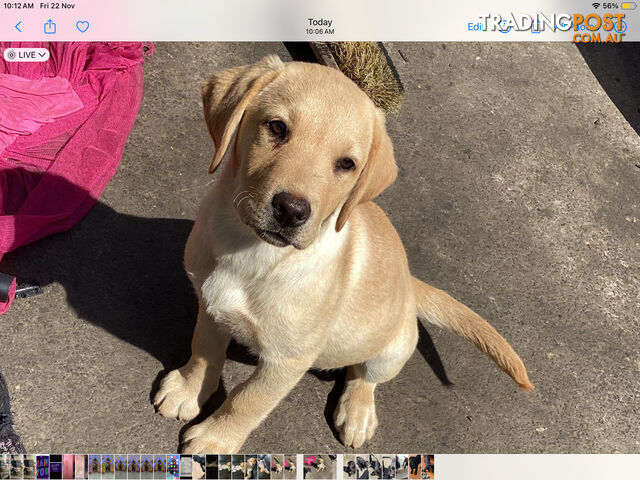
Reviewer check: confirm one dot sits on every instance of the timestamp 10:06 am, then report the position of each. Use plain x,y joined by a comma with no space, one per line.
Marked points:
319,31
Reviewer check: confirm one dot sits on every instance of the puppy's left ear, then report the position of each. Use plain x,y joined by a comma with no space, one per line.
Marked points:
379,172
226,96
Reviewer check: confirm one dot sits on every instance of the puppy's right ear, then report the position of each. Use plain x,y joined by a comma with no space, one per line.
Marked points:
226,96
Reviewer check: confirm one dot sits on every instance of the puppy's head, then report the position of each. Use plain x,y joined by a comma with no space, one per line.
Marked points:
309,143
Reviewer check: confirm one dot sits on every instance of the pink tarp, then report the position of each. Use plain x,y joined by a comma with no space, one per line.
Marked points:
63,126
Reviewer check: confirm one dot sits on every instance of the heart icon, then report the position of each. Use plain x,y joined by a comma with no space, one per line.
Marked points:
83,26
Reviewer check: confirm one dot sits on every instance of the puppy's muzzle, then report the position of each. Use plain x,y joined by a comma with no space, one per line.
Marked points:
290,210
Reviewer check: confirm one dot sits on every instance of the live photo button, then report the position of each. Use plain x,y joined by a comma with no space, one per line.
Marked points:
26,54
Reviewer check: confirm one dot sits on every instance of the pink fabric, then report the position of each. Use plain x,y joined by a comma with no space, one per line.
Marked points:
26,105
56,160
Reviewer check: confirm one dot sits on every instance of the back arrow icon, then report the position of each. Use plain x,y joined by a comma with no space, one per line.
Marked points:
17,28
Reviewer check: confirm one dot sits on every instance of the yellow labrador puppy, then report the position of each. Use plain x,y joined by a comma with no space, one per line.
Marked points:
290,256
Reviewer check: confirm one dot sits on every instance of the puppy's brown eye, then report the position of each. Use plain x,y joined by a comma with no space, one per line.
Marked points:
345,164
277,128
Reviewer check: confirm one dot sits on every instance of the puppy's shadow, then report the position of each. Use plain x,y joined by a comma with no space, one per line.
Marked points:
427,349
120,272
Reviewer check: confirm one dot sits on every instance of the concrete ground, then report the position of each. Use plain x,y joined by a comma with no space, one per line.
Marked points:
518,193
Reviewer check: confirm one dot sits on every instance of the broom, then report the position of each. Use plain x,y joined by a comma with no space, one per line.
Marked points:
368,65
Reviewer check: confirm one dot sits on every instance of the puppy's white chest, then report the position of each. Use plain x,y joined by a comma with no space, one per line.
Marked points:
260,307
269,298
225,295
224,291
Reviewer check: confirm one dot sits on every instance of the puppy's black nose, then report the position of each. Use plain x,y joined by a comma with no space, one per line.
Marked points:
289,210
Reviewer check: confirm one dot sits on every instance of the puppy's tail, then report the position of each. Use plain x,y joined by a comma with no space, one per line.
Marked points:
437,307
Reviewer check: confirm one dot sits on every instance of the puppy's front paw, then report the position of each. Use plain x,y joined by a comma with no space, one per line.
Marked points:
179,396
355,418
212,435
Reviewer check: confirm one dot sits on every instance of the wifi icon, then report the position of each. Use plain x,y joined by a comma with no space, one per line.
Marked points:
595,5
